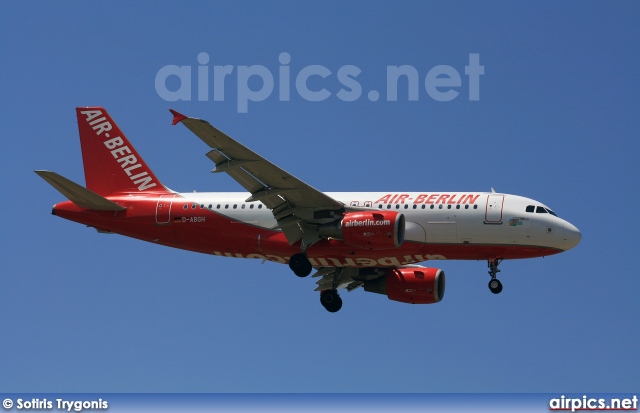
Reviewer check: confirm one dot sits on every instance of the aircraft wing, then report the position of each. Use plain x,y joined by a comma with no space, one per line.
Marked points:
333,277
296,206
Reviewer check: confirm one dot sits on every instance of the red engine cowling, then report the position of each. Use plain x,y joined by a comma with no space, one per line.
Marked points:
369,229
414,285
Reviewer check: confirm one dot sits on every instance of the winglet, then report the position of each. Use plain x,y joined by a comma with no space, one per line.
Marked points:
177,117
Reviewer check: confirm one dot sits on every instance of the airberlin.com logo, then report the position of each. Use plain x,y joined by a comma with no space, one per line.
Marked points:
368,223
250,84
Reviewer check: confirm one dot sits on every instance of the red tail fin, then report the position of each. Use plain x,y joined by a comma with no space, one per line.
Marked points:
111,163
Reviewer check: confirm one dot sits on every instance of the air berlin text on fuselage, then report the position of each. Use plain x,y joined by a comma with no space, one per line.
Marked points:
128,162
429,199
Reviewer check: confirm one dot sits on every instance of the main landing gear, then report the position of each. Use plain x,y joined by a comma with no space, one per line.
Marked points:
300,265
330,300
494,285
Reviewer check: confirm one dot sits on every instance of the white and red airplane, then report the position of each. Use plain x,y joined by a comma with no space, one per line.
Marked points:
351,239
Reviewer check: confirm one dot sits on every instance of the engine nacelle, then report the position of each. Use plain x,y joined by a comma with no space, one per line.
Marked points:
414,285
368,229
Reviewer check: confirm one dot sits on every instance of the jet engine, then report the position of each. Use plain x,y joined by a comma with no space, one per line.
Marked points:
371,230
414,285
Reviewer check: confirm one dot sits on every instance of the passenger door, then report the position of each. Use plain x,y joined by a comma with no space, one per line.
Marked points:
493,214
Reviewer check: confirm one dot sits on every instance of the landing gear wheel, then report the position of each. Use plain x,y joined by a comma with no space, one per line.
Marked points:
330,300
300,265
495,286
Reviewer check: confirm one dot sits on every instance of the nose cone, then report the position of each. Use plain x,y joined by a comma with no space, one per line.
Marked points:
572,236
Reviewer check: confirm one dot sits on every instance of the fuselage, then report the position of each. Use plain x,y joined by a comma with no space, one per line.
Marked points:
443,225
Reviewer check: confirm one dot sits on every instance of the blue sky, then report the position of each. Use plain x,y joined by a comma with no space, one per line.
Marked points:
557,120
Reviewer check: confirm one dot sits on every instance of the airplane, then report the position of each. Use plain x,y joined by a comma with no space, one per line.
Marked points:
373,240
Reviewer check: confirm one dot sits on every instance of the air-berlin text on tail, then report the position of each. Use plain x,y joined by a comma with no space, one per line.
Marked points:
128,161
429,199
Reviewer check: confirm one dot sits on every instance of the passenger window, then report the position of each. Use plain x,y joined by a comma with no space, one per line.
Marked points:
193,206
242,206
398,206
475,207
466,206
251,206
540,210
235,206
440,206
226,206
218,206
432,206
530,208
368,204
388,206
424,206
185,206
457,206
415,206
260,206
406,207
448,206
380,206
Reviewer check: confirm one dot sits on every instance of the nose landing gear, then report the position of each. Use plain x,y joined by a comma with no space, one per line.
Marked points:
494,285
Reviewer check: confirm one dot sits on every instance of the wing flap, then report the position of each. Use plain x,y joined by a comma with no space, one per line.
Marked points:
332,277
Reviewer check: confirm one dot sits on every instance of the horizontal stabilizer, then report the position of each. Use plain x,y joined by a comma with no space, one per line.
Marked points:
78,194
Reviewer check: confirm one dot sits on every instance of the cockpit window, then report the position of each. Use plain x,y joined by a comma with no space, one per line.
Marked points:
540,210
